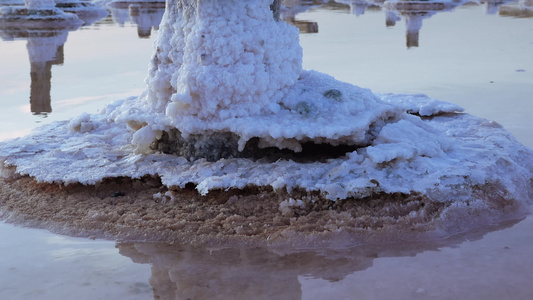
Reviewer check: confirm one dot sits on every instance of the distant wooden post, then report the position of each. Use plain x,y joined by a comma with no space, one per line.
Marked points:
40,4
275,7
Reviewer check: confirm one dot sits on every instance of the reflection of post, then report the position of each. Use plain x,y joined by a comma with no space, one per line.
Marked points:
146,18
414,24
358,8
44,52
217,274
523,10
186,272
144,27
414,13
146,15
292,8
391,17
303,26
493,6
41,76
233,273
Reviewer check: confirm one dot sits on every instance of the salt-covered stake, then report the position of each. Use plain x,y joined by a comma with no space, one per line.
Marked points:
276,7
227,79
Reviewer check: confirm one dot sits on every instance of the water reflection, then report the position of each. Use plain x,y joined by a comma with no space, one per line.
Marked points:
291,8
86,10
146,15
414,12
492,6
359,7
524,9
45,43
45,49
184,272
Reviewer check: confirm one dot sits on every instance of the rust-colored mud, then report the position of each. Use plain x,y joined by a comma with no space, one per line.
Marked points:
126,209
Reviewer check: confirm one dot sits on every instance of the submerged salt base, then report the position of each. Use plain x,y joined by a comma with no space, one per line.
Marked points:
276,154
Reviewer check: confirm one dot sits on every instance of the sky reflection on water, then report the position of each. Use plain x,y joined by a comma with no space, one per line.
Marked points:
490,263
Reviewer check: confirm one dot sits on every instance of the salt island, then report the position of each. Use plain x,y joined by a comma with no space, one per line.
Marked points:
233,141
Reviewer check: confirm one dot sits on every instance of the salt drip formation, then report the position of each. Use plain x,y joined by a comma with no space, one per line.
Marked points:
229,107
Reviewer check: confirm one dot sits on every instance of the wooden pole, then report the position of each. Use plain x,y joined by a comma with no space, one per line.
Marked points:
275,7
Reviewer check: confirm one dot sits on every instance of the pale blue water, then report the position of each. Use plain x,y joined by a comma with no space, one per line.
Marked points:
483,62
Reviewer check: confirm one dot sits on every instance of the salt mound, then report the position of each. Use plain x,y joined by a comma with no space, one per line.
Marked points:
226,92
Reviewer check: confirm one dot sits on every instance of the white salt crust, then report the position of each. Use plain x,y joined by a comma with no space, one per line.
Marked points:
445,155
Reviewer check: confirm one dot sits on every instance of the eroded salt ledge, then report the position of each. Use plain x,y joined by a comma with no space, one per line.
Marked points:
231,71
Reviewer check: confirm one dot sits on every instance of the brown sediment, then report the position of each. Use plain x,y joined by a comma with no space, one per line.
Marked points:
126,209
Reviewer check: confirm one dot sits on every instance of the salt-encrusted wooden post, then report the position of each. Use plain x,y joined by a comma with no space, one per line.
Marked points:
275,7
216,63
